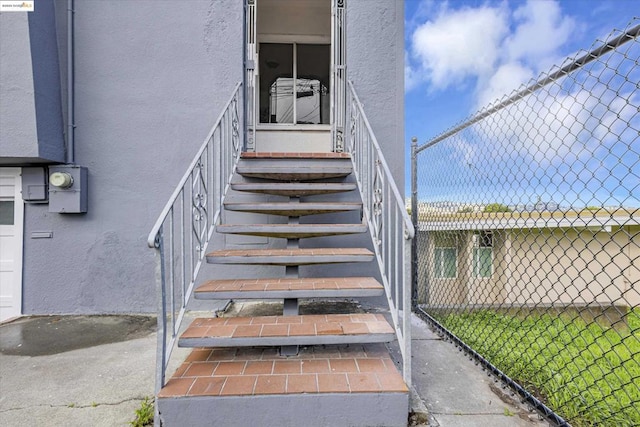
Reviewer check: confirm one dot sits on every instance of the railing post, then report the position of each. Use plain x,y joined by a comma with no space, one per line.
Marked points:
219,152
161,353
414,220
406,309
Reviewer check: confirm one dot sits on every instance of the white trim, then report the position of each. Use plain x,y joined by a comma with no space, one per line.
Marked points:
291,127
294,38
294,84
16,286
597,223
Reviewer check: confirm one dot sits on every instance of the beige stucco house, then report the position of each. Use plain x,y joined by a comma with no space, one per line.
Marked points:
530,259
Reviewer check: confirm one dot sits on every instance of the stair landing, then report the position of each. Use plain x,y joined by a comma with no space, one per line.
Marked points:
256,371
345,385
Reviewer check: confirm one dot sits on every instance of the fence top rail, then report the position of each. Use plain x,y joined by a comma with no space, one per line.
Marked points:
156,227
394,188
629,34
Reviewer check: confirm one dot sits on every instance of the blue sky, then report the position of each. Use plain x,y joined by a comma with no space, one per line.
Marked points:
462,55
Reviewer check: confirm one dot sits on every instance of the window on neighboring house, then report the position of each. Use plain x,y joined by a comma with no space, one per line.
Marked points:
483,254
446,263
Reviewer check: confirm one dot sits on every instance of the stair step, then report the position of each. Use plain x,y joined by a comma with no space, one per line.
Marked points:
297,189
280,288
294,172
338,385
290,256
340,363
314,329
291,231
293,155
293,209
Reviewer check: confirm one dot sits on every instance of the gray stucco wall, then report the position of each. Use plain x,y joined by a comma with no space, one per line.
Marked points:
375,65
18,135
151,78
375,58
46,82
31,126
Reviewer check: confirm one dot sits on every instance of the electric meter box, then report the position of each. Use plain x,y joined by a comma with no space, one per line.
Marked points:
34,185
68,189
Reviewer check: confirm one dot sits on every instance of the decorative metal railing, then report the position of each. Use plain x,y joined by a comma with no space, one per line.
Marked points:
389,223
182,232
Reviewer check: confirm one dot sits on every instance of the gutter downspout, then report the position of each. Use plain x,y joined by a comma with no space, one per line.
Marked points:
70,84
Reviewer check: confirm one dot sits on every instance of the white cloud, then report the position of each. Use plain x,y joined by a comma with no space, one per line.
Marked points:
411,77
493,48
504,80
541,30
458,44
551,129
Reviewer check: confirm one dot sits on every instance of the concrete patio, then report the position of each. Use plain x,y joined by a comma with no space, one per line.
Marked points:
96,370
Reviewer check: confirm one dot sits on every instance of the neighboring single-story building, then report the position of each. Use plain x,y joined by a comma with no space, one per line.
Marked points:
531,259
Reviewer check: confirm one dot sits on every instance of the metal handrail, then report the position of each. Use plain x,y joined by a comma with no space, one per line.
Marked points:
167,207
389,223
374,141
186,224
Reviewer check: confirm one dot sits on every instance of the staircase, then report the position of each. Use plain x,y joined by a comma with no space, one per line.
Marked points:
291,369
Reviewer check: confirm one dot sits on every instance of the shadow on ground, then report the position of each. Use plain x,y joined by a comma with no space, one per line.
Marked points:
324,306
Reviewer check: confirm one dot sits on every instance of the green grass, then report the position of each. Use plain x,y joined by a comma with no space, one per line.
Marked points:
144,414
586,372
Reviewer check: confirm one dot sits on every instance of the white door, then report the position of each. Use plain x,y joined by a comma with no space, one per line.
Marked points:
289,71
11,230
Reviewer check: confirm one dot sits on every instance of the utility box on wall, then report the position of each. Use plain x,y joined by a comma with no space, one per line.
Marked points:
34,185
67,189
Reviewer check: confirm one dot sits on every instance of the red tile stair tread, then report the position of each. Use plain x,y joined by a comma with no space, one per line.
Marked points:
310,372
289,252
279,326
295,155
245,285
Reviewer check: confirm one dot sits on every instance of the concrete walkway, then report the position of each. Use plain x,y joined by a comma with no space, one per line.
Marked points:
52,374
455,391
95,371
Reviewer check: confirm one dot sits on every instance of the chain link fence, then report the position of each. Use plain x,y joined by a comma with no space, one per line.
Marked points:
527,248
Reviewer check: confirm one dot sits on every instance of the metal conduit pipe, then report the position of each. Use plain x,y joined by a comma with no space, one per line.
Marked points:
70,85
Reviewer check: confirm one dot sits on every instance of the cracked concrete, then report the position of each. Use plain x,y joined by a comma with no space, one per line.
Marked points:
102,384
98,385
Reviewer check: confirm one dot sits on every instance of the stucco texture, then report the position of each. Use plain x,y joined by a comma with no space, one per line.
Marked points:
538,267
18,135
151,78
